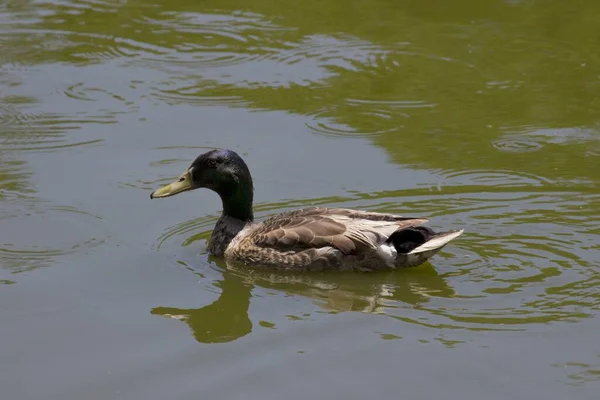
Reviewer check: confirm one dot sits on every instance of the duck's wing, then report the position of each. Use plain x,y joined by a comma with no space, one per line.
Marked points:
350,231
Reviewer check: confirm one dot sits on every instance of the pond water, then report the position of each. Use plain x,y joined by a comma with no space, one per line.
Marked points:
477,115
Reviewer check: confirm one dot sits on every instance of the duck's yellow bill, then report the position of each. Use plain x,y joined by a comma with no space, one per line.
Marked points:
182,184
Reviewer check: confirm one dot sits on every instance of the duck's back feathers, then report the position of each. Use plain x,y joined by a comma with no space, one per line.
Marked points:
332,238
349,231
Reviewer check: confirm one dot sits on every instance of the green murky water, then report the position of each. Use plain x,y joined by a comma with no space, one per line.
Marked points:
482,115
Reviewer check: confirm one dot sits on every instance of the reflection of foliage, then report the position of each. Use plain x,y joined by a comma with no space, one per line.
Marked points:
11,178
461,86
580,372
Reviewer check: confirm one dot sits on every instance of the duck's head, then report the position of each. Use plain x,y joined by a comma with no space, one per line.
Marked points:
222,171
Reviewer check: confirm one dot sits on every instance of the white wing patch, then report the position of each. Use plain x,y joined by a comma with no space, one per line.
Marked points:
377,231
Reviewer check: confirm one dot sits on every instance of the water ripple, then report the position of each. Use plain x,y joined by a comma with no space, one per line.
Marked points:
494,178
50,41
32,241
83,92
377,117
194,93
329,127
531,138
23,129
218,38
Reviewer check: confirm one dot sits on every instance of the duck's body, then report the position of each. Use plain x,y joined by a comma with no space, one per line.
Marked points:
328,239
307,239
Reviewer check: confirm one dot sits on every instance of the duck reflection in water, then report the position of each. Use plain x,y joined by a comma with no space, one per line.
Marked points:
227,319
224,320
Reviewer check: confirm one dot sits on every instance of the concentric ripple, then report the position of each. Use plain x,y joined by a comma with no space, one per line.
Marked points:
367,70
531,138
328,127
29,240
195,93
376,117
494,178
29,131
26,127
221,38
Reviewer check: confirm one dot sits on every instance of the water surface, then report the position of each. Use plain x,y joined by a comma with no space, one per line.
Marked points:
477,115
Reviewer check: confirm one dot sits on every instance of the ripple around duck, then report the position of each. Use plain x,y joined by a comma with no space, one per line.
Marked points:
521,255
188,232
526,258
29,239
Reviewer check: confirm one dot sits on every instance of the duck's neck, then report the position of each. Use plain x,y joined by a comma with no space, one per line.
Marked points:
237,213
237,203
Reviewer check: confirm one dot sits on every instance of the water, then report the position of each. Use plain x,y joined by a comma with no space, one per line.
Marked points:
481,116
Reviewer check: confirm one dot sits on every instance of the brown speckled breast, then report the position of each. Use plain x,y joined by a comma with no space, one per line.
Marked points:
225,230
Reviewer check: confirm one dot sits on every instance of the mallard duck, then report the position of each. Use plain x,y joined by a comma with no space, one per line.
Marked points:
315,238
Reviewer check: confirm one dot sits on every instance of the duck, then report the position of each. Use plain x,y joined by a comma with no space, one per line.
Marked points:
306,239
